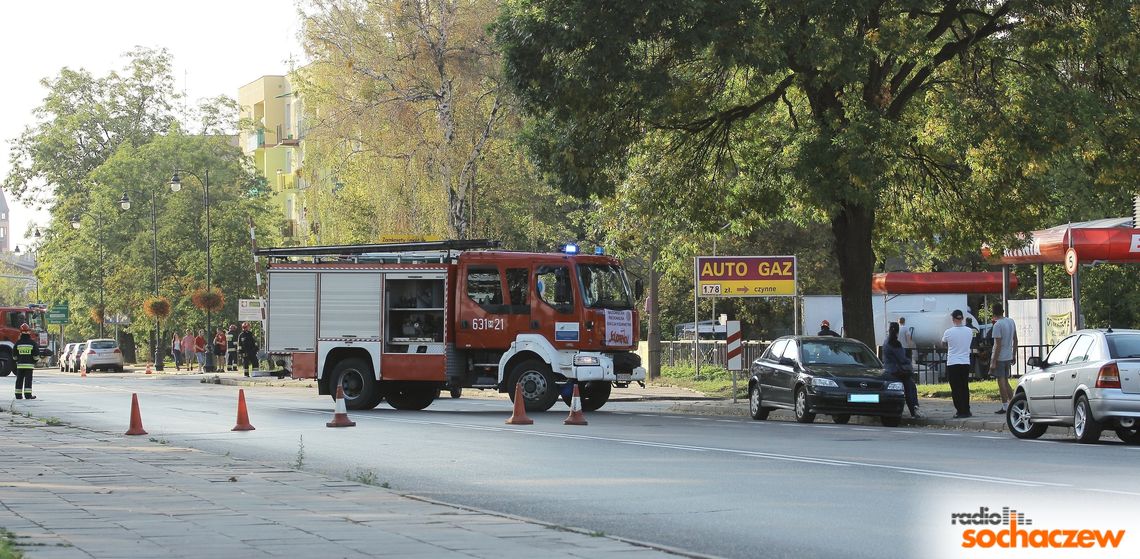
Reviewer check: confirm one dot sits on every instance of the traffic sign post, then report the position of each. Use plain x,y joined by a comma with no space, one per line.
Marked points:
58,314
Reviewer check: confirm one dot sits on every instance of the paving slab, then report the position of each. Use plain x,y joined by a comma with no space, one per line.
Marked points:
61,502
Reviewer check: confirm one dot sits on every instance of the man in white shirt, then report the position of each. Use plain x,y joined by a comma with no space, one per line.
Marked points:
957,340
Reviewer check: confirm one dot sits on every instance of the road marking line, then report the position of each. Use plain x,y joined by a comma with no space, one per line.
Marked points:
738,452
989,437
1114,492
944,434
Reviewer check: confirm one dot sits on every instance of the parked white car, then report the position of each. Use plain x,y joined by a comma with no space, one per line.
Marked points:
102,354
65,357
1090,382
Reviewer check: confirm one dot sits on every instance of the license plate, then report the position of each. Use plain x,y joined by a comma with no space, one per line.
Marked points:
863,398
624,378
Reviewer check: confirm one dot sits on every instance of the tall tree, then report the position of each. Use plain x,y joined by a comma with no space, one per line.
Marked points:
404,99
84,119
939,120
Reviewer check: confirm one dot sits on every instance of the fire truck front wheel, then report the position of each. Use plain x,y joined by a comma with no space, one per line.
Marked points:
361,391
539,390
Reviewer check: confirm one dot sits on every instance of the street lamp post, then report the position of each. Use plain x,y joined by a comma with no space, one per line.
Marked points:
176,185
76,224
125,203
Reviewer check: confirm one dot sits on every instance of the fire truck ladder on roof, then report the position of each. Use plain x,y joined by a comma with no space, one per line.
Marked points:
379,250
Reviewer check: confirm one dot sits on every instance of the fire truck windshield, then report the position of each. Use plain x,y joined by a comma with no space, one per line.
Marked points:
604,286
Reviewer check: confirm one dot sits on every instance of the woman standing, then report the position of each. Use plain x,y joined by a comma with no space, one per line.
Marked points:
896,364
176,351
219,349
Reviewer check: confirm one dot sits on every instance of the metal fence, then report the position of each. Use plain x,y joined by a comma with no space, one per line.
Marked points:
930,363
713,353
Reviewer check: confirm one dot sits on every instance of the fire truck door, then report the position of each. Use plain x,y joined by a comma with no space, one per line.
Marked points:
491,306
553,311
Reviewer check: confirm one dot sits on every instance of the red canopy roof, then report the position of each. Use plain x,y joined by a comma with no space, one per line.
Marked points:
939,282
1105,240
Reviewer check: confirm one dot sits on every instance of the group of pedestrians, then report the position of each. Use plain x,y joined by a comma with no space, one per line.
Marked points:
959,340
233,348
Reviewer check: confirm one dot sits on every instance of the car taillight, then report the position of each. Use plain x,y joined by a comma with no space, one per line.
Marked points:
90,352
1108,377
116,351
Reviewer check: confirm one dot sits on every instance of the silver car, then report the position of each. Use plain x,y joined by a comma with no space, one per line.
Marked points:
1090,382
65,358
102,354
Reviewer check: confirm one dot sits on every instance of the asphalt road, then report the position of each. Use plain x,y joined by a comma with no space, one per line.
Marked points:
719,486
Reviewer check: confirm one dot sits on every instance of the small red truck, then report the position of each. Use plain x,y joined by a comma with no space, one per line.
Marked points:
403,321
10,320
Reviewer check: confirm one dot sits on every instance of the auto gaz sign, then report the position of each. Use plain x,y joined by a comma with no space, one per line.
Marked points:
746,276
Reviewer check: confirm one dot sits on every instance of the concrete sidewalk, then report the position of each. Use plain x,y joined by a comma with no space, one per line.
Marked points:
69,492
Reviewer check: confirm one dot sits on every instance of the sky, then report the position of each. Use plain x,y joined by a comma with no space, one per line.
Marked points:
217,46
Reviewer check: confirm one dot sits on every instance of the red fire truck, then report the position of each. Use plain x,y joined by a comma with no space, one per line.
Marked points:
403,321
10,320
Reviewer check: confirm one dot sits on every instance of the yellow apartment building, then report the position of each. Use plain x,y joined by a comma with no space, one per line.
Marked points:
273,127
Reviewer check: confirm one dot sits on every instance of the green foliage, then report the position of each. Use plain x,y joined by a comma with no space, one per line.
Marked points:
914,129
980,391
8,549
101,138
713,381
84,119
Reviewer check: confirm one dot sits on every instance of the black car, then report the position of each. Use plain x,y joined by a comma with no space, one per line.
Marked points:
813,375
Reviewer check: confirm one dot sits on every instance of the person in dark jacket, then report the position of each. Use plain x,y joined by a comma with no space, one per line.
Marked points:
825,329
247,345
897,365
26,353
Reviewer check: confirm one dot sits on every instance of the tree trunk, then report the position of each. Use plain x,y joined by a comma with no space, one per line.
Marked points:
654,309
852,228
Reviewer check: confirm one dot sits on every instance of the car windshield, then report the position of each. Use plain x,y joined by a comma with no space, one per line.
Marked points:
1123,346
843,353
604,286
103,344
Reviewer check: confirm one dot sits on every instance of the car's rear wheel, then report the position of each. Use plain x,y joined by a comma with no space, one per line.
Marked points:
361,391
1130,436
801,409
1019,421
891,420
755,410
842,418
1085,426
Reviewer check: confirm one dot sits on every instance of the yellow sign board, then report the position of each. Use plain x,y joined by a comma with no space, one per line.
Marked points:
746,276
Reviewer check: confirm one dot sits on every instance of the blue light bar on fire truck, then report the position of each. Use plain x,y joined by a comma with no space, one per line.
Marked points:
570,248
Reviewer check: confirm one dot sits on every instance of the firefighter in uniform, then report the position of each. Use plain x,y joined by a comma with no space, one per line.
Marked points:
232,348
26,353
247,345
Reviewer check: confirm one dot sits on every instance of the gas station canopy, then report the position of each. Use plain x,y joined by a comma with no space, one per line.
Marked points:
1102,240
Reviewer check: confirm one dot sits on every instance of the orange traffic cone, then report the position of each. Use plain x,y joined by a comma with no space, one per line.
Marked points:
243,414
83,370
149,371
576,416
340,417
136,417
519,416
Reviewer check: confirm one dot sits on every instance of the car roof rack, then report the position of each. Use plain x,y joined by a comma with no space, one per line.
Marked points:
380,252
